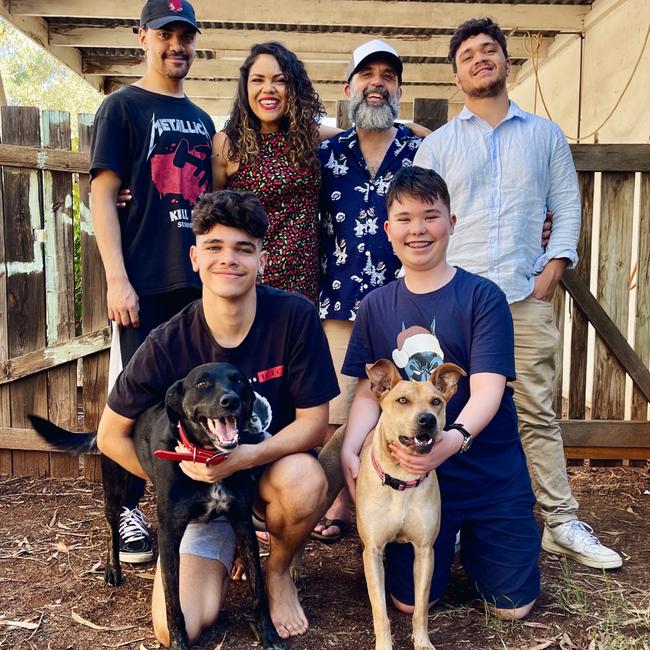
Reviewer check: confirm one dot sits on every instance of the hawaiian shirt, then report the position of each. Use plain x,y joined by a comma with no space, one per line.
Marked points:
355,255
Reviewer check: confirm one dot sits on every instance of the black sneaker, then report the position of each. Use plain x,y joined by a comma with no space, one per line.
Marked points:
135,539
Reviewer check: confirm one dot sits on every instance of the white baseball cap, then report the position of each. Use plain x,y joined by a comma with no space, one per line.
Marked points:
375,49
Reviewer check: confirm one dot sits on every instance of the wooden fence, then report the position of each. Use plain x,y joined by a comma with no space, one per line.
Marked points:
54,363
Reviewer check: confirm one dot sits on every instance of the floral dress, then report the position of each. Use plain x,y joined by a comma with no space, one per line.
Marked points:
290,197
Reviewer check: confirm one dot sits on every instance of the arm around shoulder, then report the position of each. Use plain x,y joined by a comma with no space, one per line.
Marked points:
220,160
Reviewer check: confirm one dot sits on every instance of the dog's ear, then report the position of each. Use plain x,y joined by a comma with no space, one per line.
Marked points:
174,401
383,376
445,378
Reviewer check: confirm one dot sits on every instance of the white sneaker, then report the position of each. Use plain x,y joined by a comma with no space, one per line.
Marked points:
575,539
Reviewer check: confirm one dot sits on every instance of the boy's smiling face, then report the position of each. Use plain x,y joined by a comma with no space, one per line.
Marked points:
419,232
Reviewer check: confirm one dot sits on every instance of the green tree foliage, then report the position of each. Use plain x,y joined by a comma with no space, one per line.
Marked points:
33,77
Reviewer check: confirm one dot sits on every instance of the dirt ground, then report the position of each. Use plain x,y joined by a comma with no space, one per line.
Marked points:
52,540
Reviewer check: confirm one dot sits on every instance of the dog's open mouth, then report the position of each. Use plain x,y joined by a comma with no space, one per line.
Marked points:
420,444
223,432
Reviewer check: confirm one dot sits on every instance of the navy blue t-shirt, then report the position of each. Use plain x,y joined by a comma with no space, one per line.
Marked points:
466,322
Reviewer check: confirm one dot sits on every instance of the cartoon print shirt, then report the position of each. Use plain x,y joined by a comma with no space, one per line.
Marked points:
161,148
284,354
356,256
466,322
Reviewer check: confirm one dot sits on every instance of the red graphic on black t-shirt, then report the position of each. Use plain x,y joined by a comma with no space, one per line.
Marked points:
272,373
181,171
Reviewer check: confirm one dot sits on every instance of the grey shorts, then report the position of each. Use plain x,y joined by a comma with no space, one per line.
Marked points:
214,540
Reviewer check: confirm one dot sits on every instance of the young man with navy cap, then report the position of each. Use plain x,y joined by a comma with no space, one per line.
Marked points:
151,138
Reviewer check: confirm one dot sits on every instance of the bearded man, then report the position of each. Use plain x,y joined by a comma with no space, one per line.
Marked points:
357,167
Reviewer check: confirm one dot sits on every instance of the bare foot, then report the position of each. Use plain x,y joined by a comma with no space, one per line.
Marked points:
286,612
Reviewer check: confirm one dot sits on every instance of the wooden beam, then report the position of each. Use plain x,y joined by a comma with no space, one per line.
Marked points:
611,157
607,453
608,331
44,158
224,40
605,433
54,355
25,440
358,13
327,91
221,68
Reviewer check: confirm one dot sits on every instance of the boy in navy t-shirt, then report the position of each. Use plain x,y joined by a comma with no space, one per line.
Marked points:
438,313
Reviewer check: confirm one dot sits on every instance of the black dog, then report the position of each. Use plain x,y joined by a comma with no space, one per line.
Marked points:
213,405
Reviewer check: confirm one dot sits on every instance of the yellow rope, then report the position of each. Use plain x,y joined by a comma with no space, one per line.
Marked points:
534,54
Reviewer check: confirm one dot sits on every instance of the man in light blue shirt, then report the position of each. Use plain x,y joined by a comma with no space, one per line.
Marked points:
505,168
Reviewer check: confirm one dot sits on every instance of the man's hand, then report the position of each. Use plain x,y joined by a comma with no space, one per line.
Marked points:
123,303
242,457
350,463
547,280
547,228
124,196
448,444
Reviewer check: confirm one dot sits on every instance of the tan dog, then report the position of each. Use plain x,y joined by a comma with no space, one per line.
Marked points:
393,505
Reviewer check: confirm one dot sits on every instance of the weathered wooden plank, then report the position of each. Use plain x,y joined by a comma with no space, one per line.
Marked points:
605,433
94,310
53,159
431,113
28,440
59,284
579,322
642,324
614,255
558,302
607,453
55,355
5,403
603,324
25,279
611,157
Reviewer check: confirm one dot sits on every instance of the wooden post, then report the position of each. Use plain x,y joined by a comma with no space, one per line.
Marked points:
614,254
59,284
25,280
94,310
431,113
579,322
5,403
342,118
642,338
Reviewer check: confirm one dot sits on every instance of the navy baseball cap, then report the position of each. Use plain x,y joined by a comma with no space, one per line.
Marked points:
158,13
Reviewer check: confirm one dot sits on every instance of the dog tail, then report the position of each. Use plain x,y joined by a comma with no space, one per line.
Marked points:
73,443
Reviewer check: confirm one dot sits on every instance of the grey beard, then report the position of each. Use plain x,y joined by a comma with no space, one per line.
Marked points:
372,118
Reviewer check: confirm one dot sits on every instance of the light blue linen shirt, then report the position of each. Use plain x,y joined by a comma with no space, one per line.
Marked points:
501,182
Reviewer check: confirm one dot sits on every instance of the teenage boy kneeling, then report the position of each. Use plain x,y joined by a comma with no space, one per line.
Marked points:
438,313
276,339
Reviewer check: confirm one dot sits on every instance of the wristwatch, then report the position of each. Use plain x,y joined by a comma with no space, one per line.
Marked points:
467,438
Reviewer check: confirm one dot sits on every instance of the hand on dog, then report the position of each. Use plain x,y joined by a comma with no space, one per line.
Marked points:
242,457
350,463
448,444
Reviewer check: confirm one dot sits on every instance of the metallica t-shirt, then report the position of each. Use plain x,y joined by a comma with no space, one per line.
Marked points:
284,355
161,148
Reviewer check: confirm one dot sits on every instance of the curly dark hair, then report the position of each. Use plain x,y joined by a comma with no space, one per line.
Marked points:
471,28
300,124
241,210
418,183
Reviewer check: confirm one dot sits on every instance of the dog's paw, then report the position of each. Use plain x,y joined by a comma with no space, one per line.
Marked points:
112,577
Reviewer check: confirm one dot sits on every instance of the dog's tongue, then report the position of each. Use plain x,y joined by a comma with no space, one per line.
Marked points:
224,429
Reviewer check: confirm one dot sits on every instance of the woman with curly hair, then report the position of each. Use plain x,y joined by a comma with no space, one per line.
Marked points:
268,146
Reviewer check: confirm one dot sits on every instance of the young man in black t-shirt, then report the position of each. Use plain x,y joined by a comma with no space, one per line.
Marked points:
274,337
150,137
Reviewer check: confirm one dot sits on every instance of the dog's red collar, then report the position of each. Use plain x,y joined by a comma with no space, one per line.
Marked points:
193,453
395,483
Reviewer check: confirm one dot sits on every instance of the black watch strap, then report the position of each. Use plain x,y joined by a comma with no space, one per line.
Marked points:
467,437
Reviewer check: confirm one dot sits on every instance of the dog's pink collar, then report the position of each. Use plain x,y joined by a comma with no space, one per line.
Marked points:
395,483
193,453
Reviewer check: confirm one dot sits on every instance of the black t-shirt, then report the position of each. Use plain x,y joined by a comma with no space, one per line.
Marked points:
161,148
285,356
